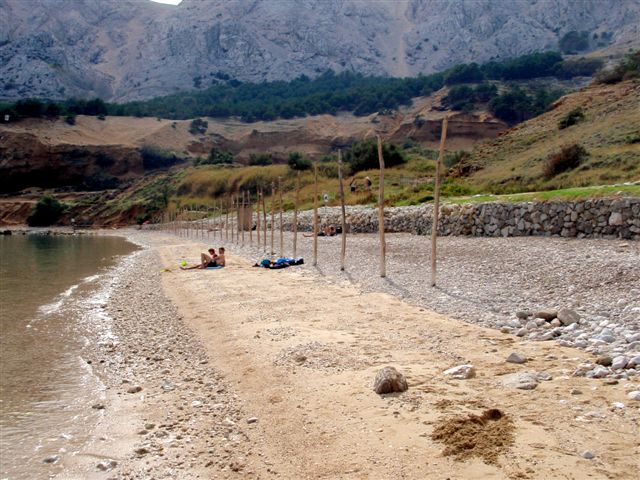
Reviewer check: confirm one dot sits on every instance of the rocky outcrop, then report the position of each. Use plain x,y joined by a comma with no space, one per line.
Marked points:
597,218
133,49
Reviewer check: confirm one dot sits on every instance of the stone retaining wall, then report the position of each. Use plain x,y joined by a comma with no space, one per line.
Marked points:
598,218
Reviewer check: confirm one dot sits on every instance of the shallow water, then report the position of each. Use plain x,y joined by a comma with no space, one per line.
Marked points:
52,292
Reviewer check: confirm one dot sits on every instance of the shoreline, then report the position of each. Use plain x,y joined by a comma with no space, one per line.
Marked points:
286,388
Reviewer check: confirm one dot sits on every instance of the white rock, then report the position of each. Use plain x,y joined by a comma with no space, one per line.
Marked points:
461,372
619,362
634,362
598,372
635,395
617,405
522,381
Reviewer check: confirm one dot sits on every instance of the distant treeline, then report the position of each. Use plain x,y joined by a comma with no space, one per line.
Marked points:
327,94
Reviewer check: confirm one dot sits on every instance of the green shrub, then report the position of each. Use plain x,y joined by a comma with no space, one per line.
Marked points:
363,155
216,156
101,181
154,157
298,162
260,159
46,212
568,158
574,42
70,119
198,126
629,67
574,116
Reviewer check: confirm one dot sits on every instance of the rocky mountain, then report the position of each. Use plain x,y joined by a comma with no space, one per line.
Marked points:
133,49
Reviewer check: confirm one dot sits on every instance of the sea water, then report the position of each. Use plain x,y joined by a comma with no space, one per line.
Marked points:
53,290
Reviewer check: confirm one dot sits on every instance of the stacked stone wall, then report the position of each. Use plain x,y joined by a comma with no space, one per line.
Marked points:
596,218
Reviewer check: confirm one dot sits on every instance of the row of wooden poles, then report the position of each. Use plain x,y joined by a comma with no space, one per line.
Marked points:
181,222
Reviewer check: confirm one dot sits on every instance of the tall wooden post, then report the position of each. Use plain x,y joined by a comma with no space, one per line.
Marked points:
250,206
383,245
258,225
226,219
315,213
273,215
295,216
281,207
241,216
343,248
264,222
436,201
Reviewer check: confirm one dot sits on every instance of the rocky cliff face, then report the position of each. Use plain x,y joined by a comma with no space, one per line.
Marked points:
132,49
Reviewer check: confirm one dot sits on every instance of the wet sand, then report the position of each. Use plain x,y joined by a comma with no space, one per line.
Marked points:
251,373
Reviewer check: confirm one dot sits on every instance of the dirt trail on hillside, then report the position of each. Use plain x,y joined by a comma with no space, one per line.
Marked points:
302,351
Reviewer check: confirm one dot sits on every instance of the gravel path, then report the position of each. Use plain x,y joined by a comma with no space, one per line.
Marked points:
486,281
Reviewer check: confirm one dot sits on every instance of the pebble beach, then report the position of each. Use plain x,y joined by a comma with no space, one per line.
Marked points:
251,373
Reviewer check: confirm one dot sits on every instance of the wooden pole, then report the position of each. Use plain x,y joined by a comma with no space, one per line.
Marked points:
226,219
383,245
258,194
241,216
264,223
250,218
295,216
315,213
344,214
273,214
436,201
280,207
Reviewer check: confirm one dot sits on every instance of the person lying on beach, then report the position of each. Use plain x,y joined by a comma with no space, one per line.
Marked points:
206,261
279,263
328,231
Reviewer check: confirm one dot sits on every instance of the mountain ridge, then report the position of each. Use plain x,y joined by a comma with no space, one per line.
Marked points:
131,50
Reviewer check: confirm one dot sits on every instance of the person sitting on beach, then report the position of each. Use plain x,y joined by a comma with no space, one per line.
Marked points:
220,260
206,261
328,231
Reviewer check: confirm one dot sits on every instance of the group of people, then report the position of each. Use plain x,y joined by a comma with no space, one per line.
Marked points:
353,184
210,260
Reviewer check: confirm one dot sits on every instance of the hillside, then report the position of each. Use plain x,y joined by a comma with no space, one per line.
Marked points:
610,132
131,49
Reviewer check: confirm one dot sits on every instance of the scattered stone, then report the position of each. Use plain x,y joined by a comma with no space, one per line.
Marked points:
516,358
544,376
53,459
610,381
252,420
619,362
604,360
617,405
634,362
300,359
389,380
149,426
635,395
575,391
568,316
523,314
107,465
461,372
587,454
135,389
98,406
141,451
598,372
521,381
546,314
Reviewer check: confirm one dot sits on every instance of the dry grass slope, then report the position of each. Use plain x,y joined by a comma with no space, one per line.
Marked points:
514,161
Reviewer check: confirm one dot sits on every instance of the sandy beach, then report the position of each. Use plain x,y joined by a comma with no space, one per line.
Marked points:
253,373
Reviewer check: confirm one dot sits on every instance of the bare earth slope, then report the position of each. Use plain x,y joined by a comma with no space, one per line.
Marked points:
132,49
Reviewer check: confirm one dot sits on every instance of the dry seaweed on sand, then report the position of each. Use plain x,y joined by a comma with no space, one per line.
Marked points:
485,436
